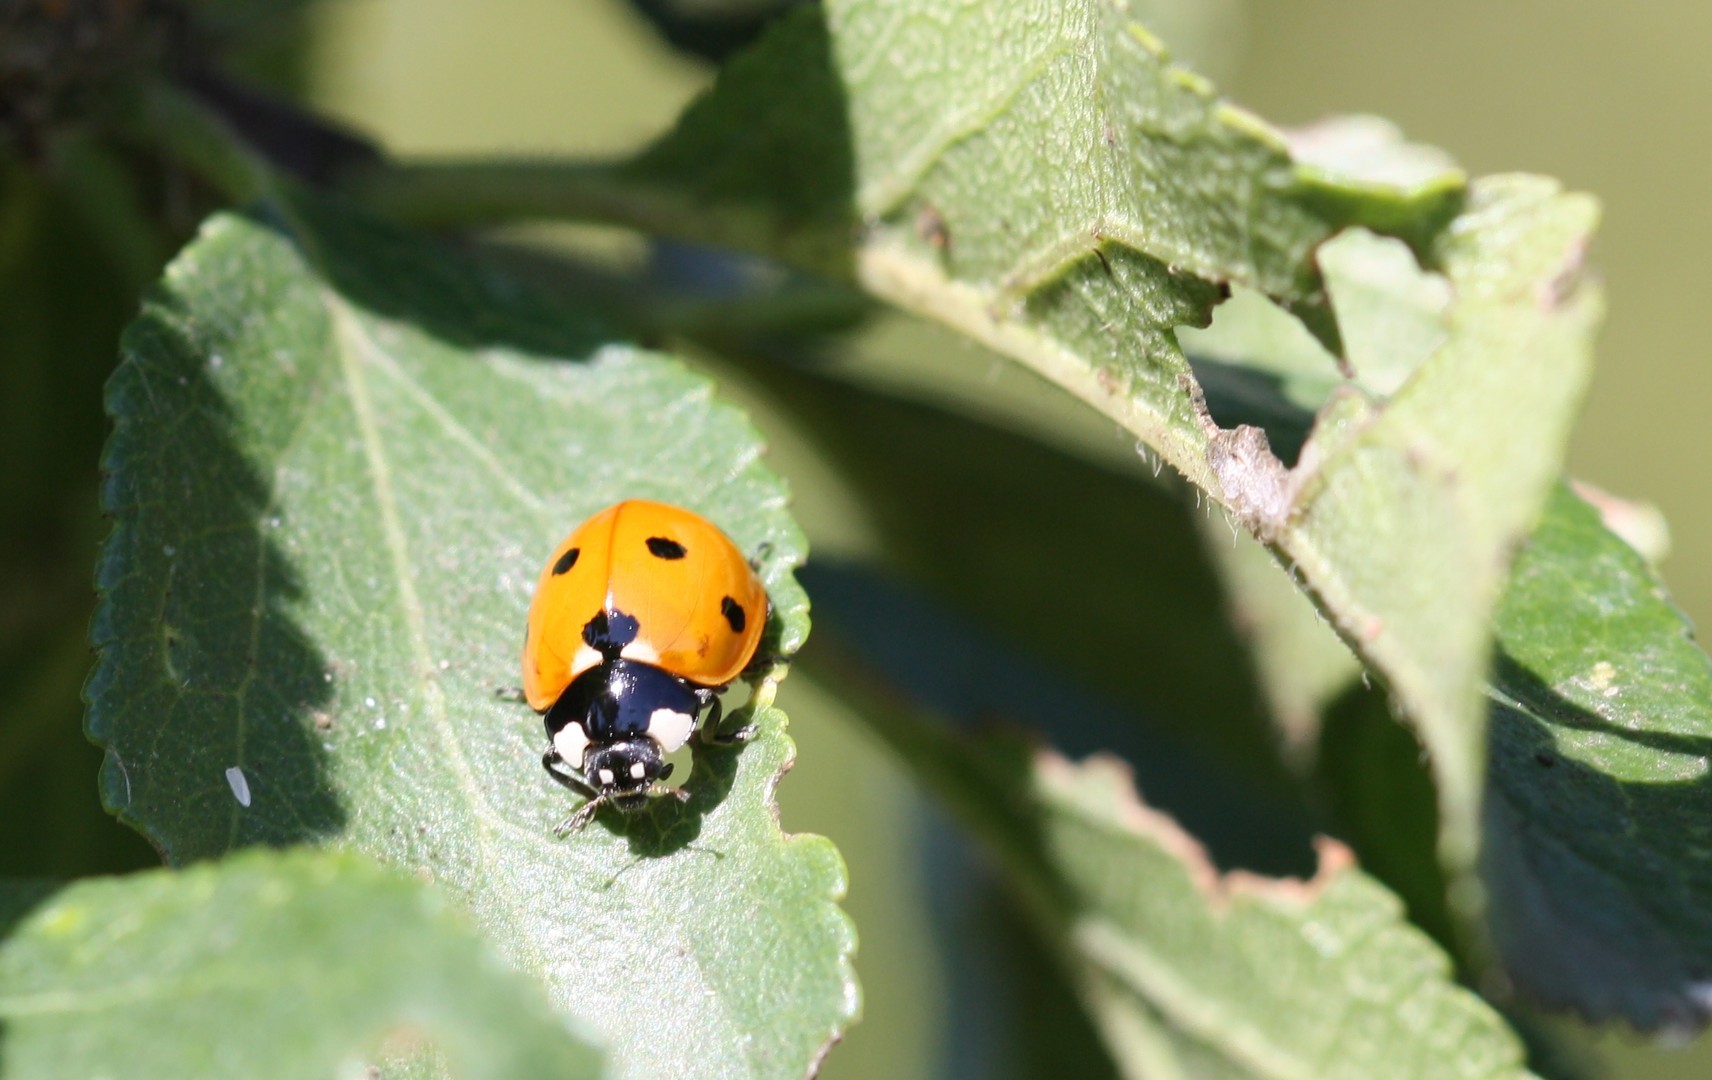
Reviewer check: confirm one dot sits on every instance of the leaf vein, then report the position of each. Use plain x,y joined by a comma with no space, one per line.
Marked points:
353,346
459,433
881,195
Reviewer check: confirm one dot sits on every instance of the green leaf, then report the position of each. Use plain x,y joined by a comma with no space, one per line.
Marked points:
1187,971
1596,824
1599,821
1403,517
340,455
1002,150
233,960
1599,703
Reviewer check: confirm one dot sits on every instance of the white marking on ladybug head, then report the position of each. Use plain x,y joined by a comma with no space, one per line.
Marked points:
571,741
641,652
607,777
670,728
638,770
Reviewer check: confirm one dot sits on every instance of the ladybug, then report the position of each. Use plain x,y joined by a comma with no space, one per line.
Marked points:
641,618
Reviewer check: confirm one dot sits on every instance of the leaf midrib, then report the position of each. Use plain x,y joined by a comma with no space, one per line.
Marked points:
352,345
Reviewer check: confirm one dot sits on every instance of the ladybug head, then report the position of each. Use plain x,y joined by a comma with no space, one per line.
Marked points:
624,772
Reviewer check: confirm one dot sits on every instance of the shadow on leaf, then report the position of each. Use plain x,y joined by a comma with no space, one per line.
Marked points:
1596,890
207,689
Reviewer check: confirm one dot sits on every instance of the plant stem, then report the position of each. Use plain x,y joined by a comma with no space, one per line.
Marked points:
464,194
184,130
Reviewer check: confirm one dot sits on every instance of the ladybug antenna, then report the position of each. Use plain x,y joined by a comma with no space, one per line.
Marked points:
582,817
658,789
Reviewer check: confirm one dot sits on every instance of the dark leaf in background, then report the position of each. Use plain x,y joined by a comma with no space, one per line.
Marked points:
76,248
711,29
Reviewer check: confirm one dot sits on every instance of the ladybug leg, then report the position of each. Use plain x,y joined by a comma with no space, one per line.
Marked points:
732,738
709,732
569,777
763,552
765,658
764,662
512,694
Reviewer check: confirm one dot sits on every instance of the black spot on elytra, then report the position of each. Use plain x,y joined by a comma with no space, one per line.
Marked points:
733,612
566,561
664,548
609,632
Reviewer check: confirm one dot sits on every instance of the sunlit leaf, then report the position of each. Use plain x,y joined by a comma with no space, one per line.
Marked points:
340,456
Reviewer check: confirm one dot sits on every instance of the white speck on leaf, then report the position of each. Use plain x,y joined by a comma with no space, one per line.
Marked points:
240,785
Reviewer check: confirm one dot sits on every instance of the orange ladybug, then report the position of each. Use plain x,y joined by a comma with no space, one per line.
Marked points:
641,617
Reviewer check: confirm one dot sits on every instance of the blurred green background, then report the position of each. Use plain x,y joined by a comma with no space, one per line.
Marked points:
1612,98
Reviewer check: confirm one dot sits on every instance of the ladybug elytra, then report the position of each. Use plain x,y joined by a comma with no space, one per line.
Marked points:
641,618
